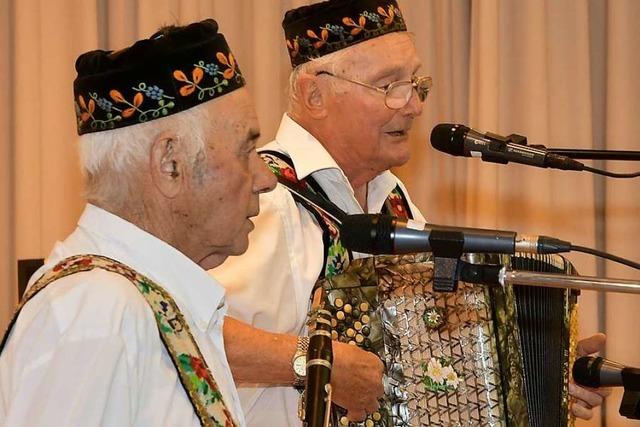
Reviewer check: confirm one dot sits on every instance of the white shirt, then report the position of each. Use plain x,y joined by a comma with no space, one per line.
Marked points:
86,350
270,285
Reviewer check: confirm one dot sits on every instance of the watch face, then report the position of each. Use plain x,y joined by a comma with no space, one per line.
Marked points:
300,365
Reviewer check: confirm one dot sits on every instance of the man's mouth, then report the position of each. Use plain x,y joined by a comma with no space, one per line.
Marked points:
397,133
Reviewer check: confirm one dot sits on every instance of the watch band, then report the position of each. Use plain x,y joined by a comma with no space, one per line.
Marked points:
302,346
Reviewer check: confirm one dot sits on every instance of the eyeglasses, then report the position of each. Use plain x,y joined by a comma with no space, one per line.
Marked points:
396,94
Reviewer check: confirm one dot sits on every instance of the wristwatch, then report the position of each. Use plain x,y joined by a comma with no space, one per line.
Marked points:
299,362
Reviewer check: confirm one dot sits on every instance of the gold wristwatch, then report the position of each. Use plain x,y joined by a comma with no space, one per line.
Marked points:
299,362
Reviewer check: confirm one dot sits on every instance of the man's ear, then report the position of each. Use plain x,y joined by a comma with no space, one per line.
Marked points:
167,164
312,96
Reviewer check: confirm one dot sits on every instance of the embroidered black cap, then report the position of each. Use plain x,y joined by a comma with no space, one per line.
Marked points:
175,69
322,28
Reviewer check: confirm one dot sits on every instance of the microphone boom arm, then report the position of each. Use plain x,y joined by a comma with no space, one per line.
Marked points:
550,280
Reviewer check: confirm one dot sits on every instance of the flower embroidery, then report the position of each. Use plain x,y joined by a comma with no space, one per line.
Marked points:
294,47
220,79
439,375
230,62
389,14
357,27
106,115
324,35
192,368
433,317
137,101
329,37
196,75
86,111
289,174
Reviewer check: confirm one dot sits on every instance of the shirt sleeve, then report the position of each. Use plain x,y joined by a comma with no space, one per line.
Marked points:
76,356
269,285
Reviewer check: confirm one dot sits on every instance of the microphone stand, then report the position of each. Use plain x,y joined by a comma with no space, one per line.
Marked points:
550,280
594,154
498,274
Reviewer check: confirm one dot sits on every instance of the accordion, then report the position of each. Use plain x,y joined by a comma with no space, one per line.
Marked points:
478,356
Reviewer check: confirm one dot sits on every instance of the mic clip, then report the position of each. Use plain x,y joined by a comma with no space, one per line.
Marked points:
447,248
498,143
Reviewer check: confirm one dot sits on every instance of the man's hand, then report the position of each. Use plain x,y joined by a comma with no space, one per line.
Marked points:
356,379
584,398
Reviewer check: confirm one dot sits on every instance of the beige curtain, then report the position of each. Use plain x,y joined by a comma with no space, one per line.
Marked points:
563,73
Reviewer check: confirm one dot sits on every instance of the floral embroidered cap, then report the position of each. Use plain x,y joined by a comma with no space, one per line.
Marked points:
172,71
322,28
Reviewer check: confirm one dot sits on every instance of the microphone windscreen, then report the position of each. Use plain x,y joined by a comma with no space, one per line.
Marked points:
449,138
367,233
586,371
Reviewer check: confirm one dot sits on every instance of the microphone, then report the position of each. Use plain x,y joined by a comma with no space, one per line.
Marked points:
383,234
597,372
460,140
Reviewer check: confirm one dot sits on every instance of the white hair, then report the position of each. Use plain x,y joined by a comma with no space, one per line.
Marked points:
110,159
328,62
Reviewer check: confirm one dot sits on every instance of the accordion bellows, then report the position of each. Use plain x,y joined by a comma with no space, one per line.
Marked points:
479,356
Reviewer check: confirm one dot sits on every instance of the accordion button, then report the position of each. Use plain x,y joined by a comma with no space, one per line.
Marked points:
340,315
344,421
364,307
334,335
366,330
359,338
365,319
376,416
357,325
351,333
347,308
338,302
369,423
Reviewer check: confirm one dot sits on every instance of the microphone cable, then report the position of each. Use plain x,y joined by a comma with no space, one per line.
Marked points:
611,174
606,255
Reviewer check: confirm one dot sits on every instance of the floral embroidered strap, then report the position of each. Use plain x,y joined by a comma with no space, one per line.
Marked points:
336,256
193,371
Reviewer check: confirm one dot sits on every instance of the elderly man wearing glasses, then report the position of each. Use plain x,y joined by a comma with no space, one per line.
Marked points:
352,104
355,90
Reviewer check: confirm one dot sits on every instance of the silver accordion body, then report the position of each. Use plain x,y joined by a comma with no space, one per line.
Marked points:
479,356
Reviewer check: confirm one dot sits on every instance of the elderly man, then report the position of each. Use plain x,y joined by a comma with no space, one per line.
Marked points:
355,89
123,326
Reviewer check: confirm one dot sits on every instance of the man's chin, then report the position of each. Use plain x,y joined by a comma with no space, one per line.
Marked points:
212,261
399,157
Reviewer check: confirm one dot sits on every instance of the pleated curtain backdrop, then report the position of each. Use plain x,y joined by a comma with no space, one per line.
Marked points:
563,73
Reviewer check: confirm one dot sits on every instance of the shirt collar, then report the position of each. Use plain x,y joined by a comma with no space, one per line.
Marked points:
309,156
186,281
306,152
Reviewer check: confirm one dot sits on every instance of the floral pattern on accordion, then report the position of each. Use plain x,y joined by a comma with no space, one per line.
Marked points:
439,375
433,317
193,371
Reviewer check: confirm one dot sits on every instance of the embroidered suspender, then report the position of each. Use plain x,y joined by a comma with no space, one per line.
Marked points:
309,194
194,374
